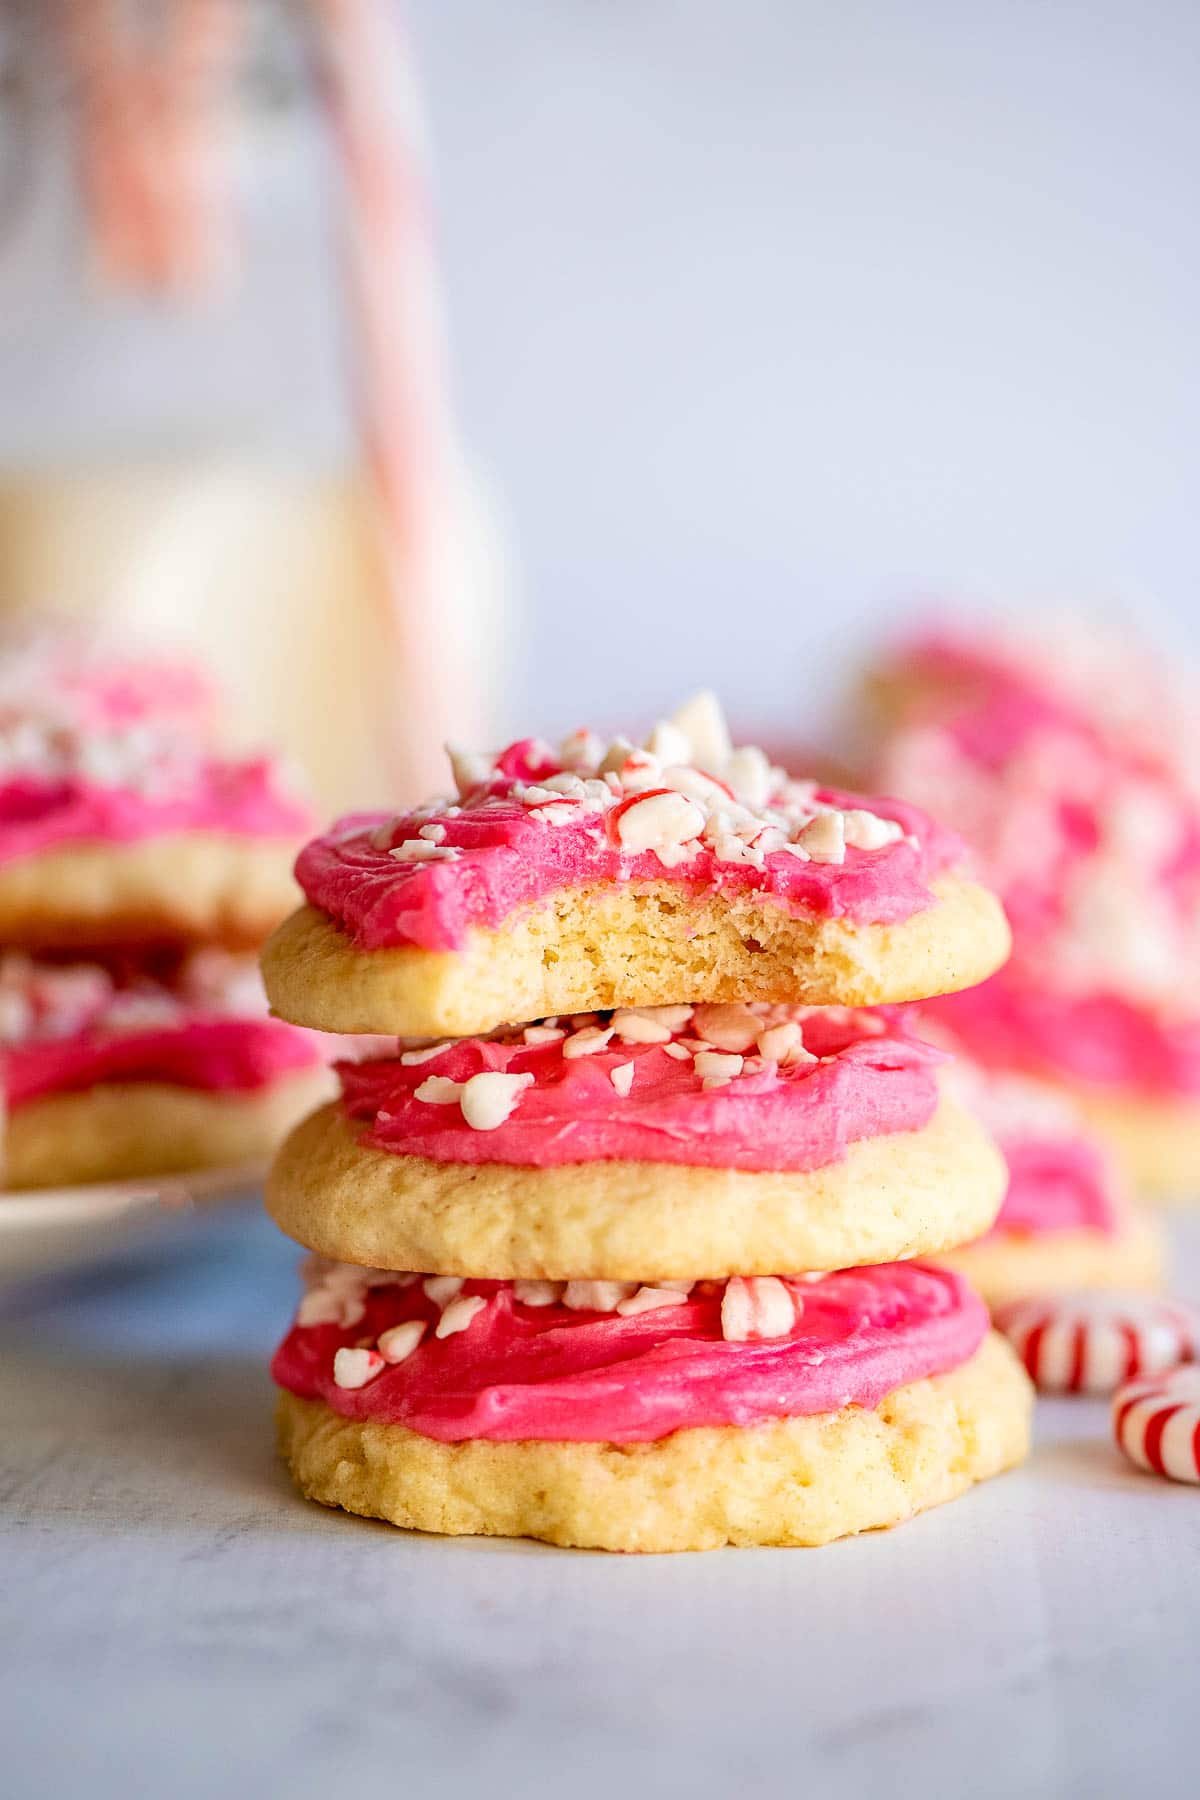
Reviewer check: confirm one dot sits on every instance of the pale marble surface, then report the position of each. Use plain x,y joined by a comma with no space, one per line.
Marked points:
178,1624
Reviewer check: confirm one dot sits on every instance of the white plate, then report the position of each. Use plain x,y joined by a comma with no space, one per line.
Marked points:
44,1229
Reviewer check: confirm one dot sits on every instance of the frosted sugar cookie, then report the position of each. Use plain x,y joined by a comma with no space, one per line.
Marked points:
656,1142
112,1073
1095,849
598,875
1066,1221
643,1418
133,834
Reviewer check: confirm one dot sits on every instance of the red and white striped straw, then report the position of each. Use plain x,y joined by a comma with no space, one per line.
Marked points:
400,357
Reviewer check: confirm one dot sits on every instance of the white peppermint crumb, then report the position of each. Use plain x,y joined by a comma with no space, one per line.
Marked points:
633,1026
458,1315
471,770
354,1368
867,831
416,850
727,1027
542,1034
778,1041
587,1042
488,1099
716,1068
825,838
672,855
423,1054
659,822
680,1052
560,812
669,743
439,1090
622,1078
433,834
398,1344
748,773
441,1288
538,1293
597,1296
702,722
649,1299
759,1306
324,1307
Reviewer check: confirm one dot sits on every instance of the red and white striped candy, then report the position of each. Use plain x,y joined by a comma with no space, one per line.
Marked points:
1090,1342
1157,1423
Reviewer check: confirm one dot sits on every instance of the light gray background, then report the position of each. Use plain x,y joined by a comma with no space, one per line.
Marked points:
767,316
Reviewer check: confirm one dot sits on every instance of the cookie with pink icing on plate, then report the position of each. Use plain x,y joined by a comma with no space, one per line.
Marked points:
596,874
123,1070
119,825
1095,849
1067,1221
646,1142
632,1416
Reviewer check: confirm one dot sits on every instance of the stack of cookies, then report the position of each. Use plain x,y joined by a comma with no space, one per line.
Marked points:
637,1271
139,871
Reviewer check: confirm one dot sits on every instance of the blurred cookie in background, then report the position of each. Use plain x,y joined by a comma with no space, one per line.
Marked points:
1076,790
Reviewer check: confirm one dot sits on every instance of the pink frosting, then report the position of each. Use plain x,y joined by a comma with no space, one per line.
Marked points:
242,799
523,1372
1057,1184
127,691
1099,1040
1104,681
873,1077
218,1055
506,857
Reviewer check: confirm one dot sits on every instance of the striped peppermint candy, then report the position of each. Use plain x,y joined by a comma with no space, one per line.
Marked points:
1157,1423
1090,1342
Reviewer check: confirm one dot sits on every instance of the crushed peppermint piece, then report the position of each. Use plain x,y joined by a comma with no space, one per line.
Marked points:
491,1097
417,850
398,1344
777,1042
729,1027
424,1053
439,1090
825,838
749,774
354,1368
639,1025
459,1314
587,1042
758,1306
716,1068
538,1293
621,1077
441,1289
470,770
658,821
326,1306
433,832
679,1052
867,831
542,1034
702,721
649,1299
597,1296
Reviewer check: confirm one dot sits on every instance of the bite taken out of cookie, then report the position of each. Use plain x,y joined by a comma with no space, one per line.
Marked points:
600,875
